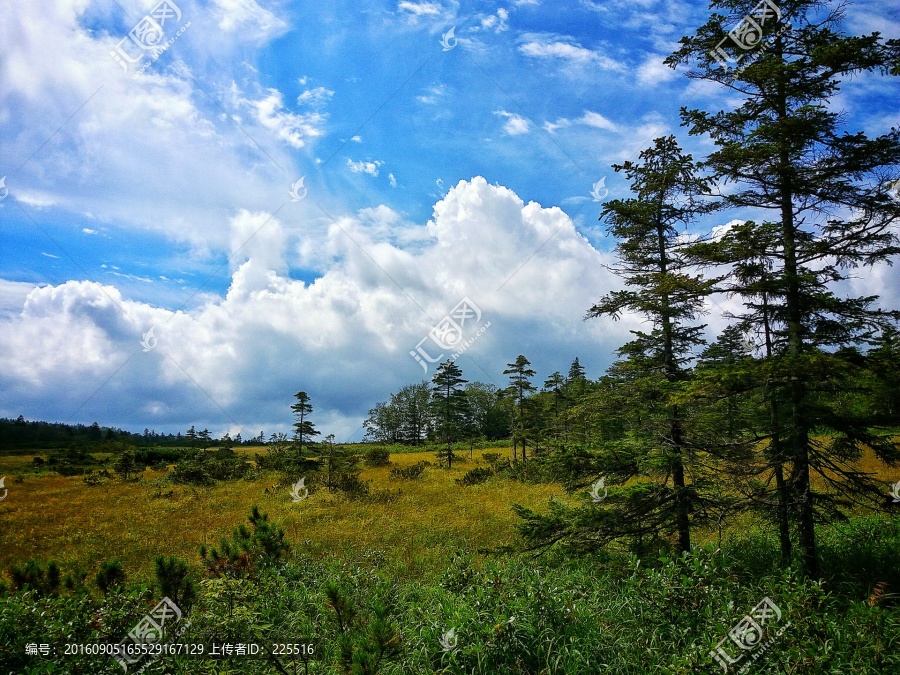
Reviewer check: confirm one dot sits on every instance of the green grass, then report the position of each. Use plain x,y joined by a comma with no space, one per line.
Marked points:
432,555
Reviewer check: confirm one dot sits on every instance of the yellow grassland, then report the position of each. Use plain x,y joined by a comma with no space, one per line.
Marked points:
61,518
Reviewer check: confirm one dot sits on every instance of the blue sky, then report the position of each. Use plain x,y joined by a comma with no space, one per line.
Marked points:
435,167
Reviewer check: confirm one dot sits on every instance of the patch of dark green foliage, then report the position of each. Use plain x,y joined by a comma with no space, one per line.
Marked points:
409,473
475,476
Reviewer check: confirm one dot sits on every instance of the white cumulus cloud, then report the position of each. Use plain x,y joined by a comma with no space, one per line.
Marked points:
74,349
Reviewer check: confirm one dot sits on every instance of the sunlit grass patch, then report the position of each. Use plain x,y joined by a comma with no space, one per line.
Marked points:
419,525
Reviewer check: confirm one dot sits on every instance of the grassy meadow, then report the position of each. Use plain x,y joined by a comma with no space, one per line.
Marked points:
416,523
428,576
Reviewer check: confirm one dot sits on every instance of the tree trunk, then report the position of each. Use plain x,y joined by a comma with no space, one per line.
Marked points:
784,530
682,517
799,431
777,453
682,508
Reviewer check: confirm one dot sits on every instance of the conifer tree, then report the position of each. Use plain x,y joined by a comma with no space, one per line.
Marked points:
519,388
450,405
304,430
559,406
651,373
662,289
785,150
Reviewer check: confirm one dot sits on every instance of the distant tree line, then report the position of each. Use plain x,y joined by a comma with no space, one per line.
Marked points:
21,434
409,417
450,409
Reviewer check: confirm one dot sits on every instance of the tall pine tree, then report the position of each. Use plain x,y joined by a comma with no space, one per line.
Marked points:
784,149
662,288
304,429
519,388
450,406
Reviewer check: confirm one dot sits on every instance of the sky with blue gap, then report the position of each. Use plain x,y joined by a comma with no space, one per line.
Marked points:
447,151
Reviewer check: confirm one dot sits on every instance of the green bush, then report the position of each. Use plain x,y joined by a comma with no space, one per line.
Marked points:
92,478
409,473
33,577
175,583
350,485
155,456
206,468
492,458
377,456
475,476
248,550
110,575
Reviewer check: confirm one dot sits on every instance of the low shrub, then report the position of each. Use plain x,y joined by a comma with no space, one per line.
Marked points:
249,550
110,575
409,473
205,468
92,478
377,456
350,485
175,582
475,476
32,576
156,456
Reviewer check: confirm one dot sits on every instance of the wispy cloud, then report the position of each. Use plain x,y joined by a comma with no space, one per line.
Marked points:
247,17
590,119
515,125
315,97
566,50
370,168
432,94
653,71
293,128
433,12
